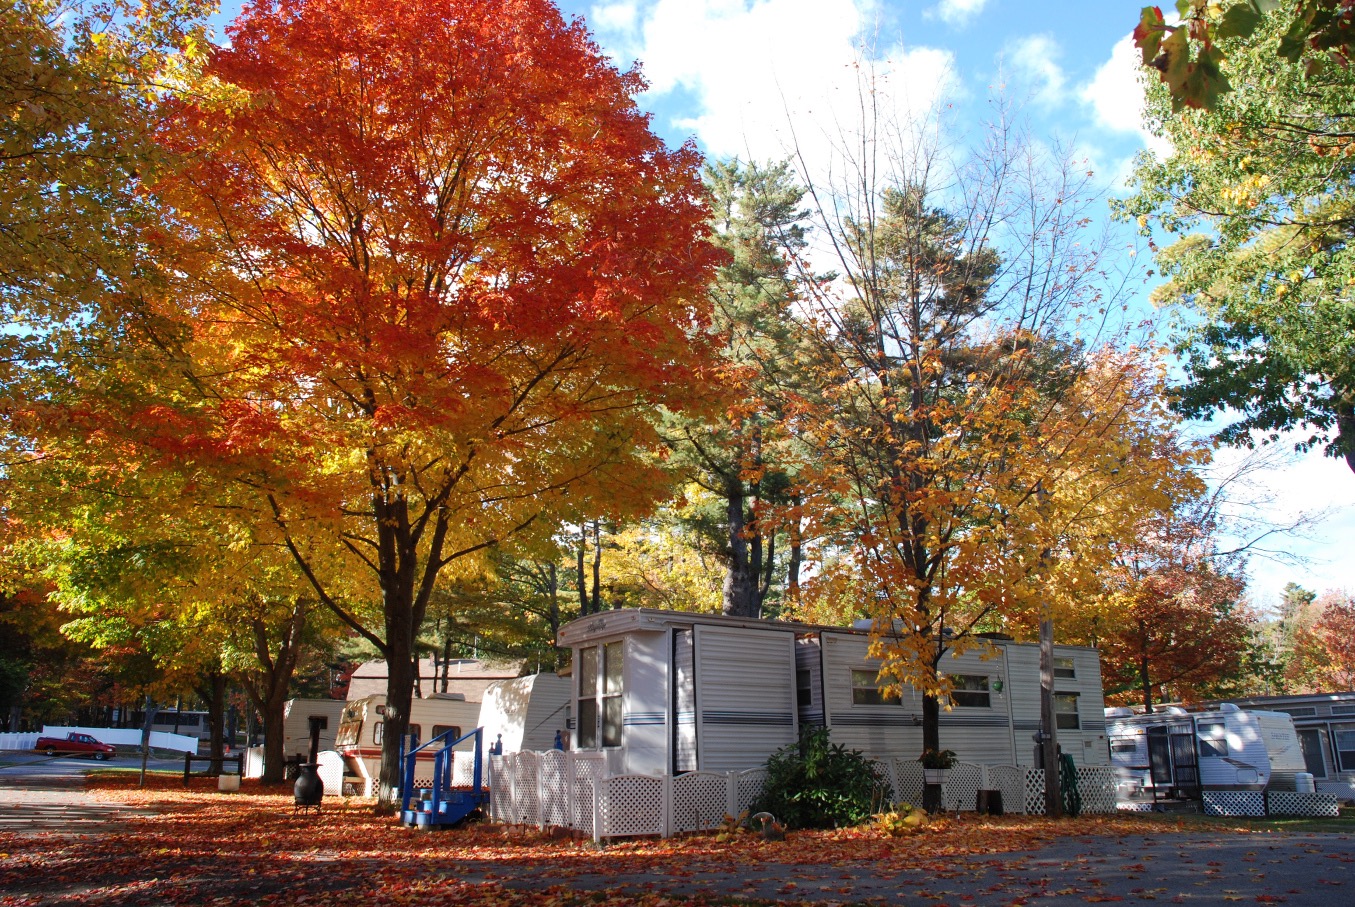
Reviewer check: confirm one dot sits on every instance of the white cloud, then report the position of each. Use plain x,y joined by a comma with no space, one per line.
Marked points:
621,16
957,12
765,74
1034,61
1116,95
1309,484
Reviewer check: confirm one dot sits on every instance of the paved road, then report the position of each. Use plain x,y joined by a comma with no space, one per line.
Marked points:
46,794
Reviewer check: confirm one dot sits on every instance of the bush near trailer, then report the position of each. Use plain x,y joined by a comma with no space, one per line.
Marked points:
816,783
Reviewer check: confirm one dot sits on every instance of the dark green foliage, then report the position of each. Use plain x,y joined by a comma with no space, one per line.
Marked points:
820,784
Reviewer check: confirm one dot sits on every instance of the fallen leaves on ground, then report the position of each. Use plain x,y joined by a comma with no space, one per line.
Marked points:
205,847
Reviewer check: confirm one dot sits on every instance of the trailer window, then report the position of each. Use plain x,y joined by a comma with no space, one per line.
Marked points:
1213,739
970,691
804,693
611,694
1064,668
1065,712
378,732
1345,747
866,690
588,703
440,729
600,713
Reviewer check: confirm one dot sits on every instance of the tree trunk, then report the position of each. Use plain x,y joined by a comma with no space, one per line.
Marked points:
216,718
597,566
583,577
740,588
399,699
269,685
931,740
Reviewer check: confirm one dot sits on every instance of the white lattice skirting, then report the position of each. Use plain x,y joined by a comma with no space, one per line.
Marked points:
1289,803
568,790
1234,803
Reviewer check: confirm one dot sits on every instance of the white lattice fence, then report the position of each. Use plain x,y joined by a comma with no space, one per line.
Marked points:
586,771
552,781
961,790
700,800
1290,803
526,804
1234,803
500,792
748,787
632,805
1022,788
1096,785
907,781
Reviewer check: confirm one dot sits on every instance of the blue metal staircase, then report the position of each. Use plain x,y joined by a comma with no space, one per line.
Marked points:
441,805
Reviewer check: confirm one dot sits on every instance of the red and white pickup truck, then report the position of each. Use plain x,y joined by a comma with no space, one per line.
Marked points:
74,744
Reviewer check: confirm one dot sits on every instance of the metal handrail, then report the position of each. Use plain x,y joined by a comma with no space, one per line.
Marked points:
442,767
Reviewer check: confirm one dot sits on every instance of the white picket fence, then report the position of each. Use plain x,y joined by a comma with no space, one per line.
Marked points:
574,790
17,742
125,737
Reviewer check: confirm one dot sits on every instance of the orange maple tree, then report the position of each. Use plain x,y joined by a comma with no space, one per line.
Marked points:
1324,653
424,273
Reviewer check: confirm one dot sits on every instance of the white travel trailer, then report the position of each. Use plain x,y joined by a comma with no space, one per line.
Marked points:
665,692
1325,723
296,723
1176,753
526,713
362,731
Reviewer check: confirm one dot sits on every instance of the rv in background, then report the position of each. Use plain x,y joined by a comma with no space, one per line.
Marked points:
1179,754
362,730
296,724
1326,727
526,713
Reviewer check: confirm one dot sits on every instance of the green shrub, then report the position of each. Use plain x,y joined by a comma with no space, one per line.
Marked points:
820,784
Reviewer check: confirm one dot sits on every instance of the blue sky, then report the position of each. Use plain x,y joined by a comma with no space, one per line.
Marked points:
739,75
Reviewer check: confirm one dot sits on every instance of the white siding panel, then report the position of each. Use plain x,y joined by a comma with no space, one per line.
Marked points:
745,695
880,731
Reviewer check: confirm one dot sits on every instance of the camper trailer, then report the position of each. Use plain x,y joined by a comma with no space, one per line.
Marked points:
296,723
1181,754
664,692
526,713
1325,723
362,726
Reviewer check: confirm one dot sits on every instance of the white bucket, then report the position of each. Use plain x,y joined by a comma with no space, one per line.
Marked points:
1304,783
227,783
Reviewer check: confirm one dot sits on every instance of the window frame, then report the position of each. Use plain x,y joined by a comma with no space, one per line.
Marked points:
601,696
982,695
868,693
1212,745
1061,715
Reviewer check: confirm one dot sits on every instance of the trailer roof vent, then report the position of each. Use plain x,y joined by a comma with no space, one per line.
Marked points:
1229,707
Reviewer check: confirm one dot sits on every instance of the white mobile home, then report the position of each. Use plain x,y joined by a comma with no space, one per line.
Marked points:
1179,753
666,692
994,707
526,713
